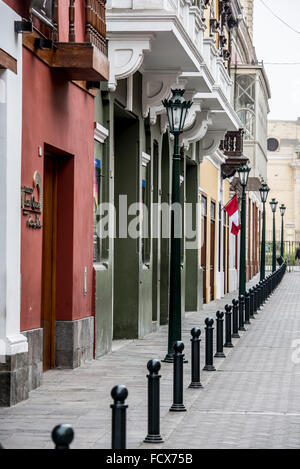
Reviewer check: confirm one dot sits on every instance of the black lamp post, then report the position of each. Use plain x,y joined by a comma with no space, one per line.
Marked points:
177,109
264,192
274,204
243,171
282,212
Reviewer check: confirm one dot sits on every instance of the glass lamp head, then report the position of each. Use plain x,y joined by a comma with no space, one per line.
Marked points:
244,171
264,192
177,110
273,205
282,209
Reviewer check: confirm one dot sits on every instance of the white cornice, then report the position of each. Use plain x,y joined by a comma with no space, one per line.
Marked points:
100,133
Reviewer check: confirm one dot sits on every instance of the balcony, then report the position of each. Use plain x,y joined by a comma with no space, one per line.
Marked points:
136,27
232,148
84,59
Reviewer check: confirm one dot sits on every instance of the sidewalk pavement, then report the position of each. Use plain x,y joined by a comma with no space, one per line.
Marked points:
251,401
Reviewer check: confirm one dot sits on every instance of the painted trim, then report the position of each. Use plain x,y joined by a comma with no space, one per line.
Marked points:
101,133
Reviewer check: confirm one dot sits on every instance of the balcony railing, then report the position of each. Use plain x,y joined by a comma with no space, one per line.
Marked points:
232,147
83,56
95,30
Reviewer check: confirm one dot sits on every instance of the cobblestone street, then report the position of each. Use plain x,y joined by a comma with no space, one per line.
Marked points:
251,401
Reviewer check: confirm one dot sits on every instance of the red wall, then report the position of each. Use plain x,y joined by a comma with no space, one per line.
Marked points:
20,6
59,114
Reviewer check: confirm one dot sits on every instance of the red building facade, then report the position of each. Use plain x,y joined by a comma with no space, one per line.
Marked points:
64,57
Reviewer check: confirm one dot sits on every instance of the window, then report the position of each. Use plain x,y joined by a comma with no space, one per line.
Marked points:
145,214
43,9
97,192
245,103
273,144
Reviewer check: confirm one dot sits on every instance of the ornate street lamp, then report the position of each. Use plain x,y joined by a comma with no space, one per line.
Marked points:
243,171
264,192
273,205
282,212
177,110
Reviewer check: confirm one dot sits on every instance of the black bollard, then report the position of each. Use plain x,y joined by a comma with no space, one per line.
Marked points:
62,436
228,343
178,356
118,436
241,313
235,319
247,308
251,292
195,341
220,335
209,359
153,403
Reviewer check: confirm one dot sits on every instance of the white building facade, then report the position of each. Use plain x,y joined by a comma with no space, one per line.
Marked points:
13,345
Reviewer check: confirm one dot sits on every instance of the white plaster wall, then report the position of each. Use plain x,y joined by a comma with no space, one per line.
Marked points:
10,187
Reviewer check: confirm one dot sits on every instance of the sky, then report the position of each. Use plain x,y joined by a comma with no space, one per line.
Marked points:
275,42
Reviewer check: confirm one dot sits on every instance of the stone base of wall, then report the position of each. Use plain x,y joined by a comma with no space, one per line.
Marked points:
13,379
35,357
74,342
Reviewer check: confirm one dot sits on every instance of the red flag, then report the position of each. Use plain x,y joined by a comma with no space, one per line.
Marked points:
232,209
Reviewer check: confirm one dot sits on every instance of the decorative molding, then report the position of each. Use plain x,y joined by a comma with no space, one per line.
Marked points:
146,158
129,103
157,86
210,143
198,130
126,55
100,133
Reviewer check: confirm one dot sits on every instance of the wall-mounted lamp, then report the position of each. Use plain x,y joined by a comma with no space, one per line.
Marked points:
23,26
43,43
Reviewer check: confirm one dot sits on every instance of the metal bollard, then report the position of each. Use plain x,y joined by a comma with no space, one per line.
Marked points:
209,359
255,299
235,319
220,335
178,405
260,302
153,403
247,308
62,436
195,341
118,437
251,292
241,313
228,343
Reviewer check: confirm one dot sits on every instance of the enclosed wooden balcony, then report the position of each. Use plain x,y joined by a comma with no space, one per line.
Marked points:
78,46
232,147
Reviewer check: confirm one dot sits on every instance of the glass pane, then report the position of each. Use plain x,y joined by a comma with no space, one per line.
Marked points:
97,188
213,210
204,206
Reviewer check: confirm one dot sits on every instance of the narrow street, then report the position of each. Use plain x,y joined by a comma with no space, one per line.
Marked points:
251,401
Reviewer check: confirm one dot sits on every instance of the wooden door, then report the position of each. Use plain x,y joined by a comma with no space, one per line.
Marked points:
204,242
49,261
212,249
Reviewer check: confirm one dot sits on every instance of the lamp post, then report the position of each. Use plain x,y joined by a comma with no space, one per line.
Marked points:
282,212
243,171
274,204
264,192
177,109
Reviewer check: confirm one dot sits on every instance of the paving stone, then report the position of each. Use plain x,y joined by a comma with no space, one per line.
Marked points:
251,401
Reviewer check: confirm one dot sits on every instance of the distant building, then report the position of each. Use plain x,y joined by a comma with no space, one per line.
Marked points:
284,176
